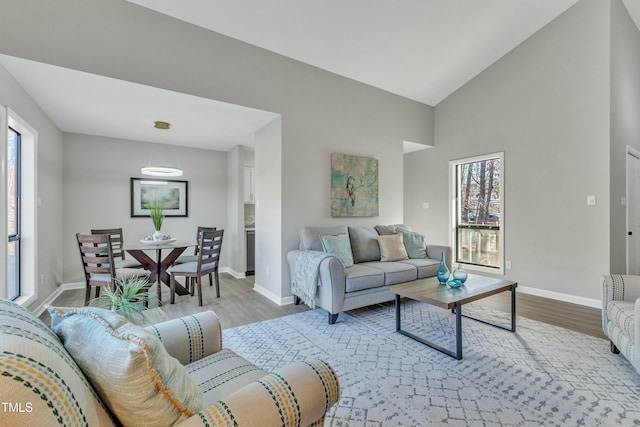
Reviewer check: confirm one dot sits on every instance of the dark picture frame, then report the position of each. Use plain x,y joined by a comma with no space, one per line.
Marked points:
174,195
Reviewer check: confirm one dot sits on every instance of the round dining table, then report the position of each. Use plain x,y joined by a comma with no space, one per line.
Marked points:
158,266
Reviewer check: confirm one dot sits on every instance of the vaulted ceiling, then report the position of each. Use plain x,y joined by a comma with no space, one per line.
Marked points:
420,49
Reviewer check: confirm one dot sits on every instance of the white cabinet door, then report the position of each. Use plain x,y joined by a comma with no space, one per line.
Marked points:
249,185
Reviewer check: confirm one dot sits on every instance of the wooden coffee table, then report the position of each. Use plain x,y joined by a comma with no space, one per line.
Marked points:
431,292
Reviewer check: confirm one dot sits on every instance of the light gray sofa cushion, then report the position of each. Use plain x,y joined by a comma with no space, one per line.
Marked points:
364,244
310,236
394,272
427,267
359,277
391,229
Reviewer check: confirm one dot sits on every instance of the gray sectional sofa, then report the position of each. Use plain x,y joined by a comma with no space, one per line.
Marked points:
368,281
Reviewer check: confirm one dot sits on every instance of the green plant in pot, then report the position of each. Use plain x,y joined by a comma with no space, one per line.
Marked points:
127,299
156,212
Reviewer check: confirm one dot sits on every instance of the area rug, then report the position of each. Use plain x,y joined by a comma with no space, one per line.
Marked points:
542,375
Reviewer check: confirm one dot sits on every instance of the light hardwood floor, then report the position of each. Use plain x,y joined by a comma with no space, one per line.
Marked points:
239,305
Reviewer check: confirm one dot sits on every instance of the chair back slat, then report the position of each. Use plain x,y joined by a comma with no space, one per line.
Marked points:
209,247
96,255
200,230
117,240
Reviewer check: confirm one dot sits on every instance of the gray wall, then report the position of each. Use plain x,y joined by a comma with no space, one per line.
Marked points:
233,234
321,112
625,121
97,173
546,105
49,183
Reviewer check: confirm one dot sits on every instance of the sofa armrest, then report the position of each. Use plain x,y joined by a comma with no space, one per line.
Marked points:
332,278
190,338
298,394
435,251
618,287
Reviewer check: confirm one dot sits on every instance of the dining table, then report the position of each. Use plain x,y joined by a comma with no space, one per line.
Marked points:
158,265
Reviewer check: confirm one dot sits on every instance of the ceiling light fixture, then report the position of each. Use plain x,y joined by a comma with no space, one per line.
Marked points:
163,171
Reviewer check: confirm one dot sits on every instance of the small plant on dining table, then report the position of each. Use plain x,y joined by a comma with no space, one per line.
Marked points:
156,212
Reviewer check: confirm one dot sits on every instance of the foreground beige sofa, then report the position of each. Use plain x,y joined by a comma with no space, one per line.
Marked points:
368,281
42,385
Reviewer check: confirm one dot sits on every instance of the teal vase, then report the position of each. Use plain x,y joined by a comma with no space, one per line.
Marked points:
459,274
443,271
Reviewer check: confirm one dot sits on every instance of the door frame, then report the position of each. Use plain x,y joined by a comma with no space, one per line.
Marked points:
635,153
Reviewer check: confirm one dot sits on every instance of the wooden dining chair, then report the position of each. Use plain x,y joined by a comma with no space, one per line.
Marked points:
117,247
99,267
193,258
209,247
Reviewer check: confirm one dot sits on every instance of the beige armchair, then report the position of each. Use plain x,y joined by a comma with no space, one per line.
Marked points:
45,385
621,315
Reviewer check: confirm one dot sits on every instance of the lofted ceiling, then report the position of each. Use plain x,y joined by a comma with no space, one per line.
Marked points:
420,49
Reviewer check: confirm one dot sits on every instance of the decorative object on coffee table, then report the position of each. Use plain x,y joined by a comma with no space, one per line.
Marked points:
455,283
459,274
443,271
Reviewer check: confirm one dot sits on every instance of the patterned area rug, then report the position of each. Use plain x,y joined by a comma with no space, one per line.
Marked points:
540,376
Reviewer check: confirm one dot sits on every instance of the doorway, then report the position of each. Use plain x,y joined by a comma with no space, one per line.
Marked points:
633,213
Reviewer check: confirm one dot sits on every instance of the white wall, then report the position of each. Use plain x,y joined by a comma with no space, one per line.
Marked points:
321,112
269,211
625,121
97,175
546,105
49,254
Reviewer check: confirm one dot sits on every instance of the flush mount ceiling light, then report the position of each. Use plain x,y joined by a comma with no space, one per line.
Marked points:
163,171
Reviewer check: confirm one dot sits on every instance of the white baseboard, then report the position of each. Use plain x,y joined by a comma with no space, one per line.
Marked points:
573,299
80,285
55,294
233,273
273,297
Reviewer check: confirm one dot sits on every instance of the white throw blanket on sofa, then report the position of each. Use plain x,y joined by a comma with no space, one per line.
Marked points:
305,281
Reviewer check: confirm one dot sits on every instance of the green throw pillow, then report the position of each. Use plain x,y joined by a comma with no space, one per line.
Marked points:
128,366
339,246
414,244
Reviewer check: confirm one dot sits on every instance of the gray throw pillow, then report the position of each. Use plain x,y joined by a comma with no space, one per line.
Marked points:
364,244
391,229
415,244
338,246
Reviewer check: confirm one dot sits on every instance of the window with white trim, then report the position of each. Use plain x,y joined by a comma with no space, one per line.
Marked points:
478,212
13,214
18,209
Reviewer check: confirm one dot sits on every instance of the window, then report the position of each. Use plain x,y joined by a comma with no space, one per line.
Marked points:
478,214
13,214
18,210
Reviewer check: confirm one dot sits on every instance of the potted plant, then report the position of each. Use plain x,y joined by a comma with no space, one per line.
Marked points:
156,212
127,299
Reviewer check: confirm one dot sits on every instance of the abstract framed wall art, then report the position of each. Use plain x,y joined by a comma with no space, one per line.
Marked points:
354,186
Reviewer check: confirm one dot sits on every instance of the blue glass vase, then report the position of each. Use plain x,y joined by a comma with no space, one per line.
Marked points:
443,271
459,274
